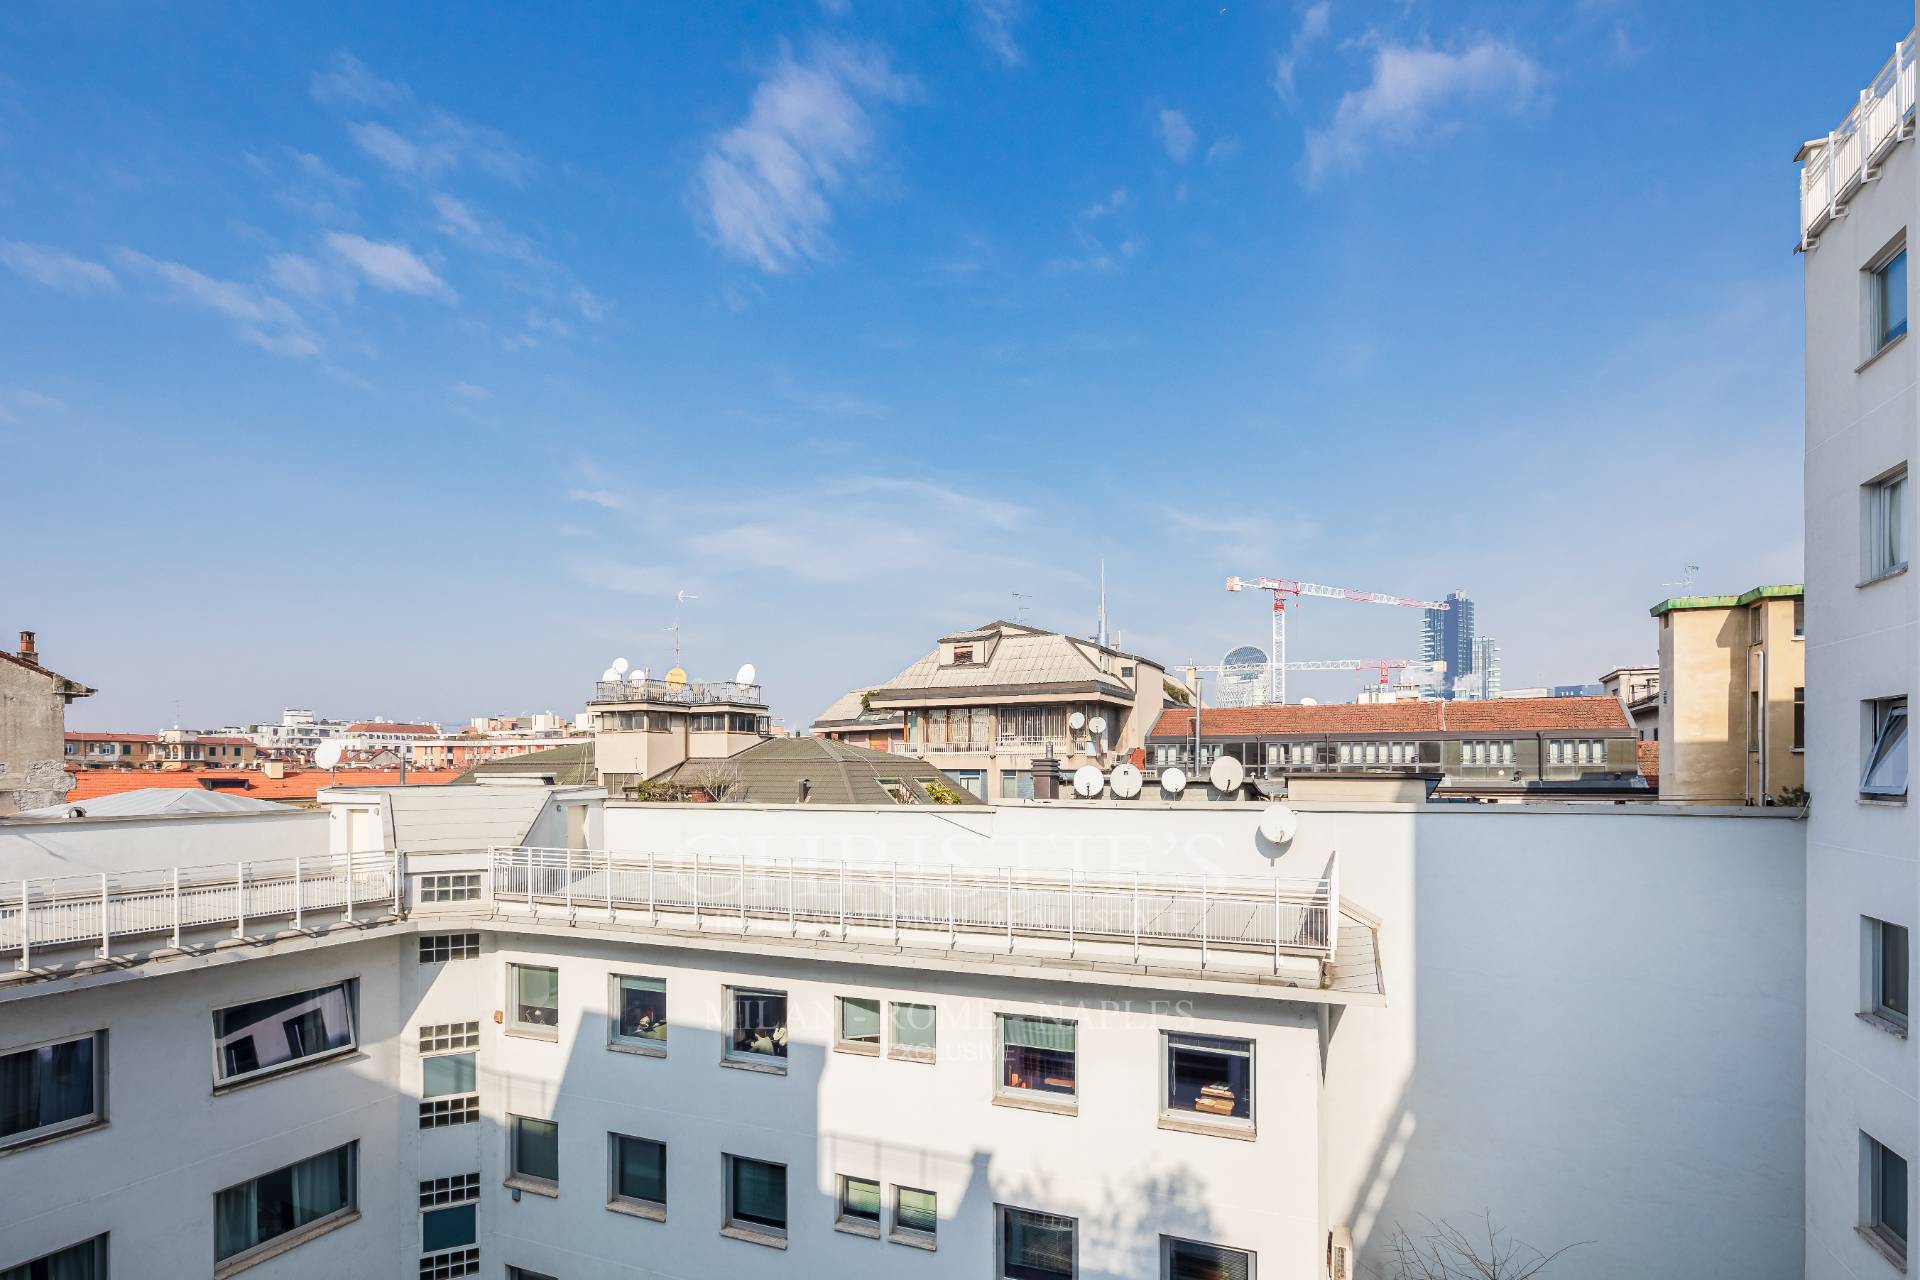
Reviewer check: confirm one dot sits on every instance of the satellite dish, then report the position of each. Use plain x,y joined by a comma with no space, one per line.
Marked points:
327,754
1087,781
638,676
1125,781
1173,781
1309,702
1097,725
1279,823
618,665
676,678
1226,774
746,674
1076,721
609,676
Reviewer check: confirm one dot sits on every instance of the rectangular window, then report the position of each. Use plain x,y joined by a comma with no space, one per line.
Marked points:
916,1216
450,886
1886,771
639,1172
1883,1208
533,1154
442,1037
756,1196
1574,752
1887,970
858,1027
859,1205
521,1273
534,998
1034,1246
454,1227
1884,524
1890,300
84,1261
261,1210
1209,1077
450,1266
264,1036
962,655
439,1113
458,1189
756,1025
1192,1260
914,1028
447,1074
1799,718
639,1012
52,1088
1037,1057
439,948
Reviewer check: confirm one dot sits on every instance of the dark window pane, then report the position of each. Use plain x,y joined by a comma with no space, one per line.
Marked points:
1893,1195
1035,1246
1210,1077
1893,968
1188,1260
759,1192
264,1034
450,1228
46,1086
860,1199
641,1169
643,1008
75,1262
536,1149
760,1023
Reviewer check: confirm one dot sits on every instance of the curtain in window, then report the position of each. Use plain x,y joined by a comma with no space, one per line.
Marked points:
236,1215
1187,1260
1038,1033
321,1186
46,1086
1036,1246
916,1211
642,1170
860,1198
75,1262
759,1193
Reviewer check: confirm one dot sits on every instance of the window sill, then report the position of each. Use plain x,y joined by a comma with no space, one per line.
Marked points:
903,1055
1896,1257
639,1209
1883,802
638,1050
292,1240
1885,347
1894,572
549,1034
854,1227
41,1140
534,1186
755,1235
1070,1108
1238,1130
293,1069
913,1239
1881,1022
762,1068
861,1050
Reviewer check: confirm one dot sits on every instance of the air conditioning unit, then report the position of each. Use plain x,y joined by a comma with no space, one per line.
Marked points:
1340,1264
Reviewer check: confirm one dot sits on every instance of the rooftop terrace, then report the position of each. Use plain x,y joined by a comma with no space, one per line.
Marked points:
1833,168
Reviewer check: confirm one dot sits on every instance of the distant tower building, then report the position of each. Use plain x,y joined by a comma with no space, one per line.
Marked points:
1446,635
1486,665
1243,678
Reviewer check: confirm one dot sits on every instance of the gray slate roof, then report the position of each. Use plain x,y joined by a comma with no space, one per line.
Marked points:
1024,659
430,819
771,770
569,766
145,802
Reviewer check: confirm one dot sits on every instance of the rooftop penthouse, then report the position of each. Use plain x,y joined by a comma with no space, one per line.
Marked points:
1834,168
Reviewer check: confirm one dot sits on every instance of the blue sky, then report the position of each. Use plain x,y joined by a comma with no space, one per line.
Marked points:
403,363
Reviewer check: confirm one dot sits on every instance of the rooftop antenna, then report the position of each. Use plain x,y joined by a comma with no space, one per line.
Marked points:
1020,599
1686,580
1102,635
679,598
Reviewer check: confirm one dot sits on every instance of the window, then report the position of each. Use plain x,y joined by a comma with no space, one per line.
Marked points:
263,1036
1886,971
452,1227
52,1088
1886,771
450,886
438,948
1799,617
258,1212
859,1206
1799,718
913,1032
1883,1208
1209,1077
440,1037
1036,1057
533,1155
534,999
916,1217
1889,299
963,655
1567,752
756,1197
1884,524
639,1013
1192,1260
458,1189
639,1176
757,1025
84,1261
857,1029
1034,1246
1479,754
447,1266
521,1273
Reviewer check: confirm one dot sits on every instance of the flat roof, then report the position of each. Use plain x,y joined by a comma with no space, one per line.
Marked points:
1788,591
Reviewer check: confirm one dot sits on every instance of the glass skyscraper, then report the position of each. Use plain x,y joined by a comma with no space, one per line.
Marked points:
1446,635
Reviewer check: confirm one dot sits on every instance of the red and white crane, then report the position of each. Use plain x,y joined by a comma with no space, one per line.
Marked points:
1282,588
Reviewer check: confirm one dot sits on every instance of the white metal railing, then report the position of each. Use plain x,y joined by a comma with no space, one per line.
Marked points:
60,911
1277,914
1879,118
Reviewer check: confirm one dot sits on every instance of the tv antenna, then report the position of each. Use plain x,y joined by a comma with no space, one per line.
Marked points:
679,598
1020,599
1686,580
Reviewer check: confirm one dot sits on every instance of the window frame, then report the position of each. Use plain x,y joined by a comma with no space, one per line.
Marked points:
897,1053
1169,1243
1879,955
637,1206
532,1030
1001,1214
97,1243
915,1237
1881,529
1017,1095
1881,333
94,1118
772,1063
841,1044
1873,1219
1203,1042
516,1177
745,1228
854,1223
646,1046
350,985
296,1236
1885,740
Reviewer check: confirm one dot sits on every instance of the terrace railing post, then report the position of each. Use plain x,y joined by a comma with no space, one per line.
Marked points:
1136,917
843,899
1073,898
240,900
653,905
568,873
176,908
793,919
347,915
696,891
106,924
1333,902
1007,874
893,902
607,860
399,880
1276,924
741,860
26,924
953,912
1203,921
296,892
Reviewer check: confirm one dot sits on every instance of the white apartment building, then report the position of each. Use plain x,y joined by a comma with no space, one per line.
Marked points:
1859,205
511,1030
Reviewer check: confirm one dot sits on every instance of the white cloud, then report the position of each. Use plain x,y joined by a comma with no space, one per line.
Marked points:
471,391
1176,135
422,141
606,498
766,186
348,82
993,22
627,579
392,267
388,147
56,269
1416,93
1224,149
1314,22
1098,254
1112,204
258,316
297,274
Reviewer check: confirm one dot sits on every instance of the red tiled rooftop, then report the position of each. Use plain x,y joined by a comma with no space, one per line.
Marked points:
296,786
1429,717
382,726
112,737
1649,755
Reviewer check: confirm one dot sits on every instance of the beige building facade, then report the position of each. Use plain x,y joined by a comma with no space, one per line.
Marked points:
1733,697
643,728
33,729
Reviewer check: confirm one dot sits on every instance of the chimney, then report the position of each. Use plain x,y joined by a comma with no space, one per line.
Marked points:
27,651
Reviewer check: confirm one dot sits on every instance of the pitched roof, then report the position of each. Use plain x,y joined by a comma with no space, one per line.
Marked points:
143,802
390,726
296,786
113,737
1427,717
1648,754
569,765
837,773
1023,657
67,688
846,710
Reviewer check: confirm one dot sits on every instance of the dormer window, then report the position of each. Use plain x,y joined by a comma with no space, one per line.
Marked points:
963,655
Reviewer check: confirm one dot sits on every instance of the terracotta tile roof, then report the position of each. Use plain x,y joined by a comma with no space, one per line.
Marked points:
1428,717
298,784
382,726
233,742
1649,754
112,737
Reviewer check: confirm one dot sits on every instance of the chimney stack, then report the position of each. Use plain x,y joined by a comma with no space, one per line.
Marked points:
27,651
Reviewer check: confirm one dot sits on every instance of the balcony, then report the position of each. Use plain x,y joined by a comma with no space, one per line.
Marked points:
693,694
1835,167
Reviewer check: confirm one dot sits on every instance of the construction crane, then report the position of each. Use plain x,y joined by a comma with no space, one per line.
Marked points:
1284,587
1382,665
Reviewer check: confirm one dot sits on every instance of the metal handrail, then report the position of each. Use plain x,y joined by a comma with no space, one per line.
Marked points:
696,693
1880,116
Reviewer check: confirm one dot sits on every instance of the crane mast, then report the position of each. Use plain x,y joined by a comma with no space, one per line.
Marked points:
1284,587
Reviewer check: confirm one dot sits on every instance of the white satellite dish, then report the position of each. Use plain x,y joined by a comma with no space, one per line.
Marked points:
609,676
637,676
1125,781
1087,782
1097,726
1309,702
618,664
1076,721
1226,774
327,754
1173,781
746,674
1279,823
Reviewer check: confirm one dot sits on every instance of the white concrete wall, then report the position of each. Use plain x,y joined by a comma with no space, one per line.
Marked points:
87,846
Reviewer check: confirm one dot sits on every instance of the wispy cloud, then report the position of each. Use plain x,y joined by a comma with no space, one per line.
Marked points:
1416,93
258,317
1314,23
1175,134
766,186
1102,252
297,274
346,81
391,267
837,404
993,22
55,268
605,498
627,579
418,141
472,392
